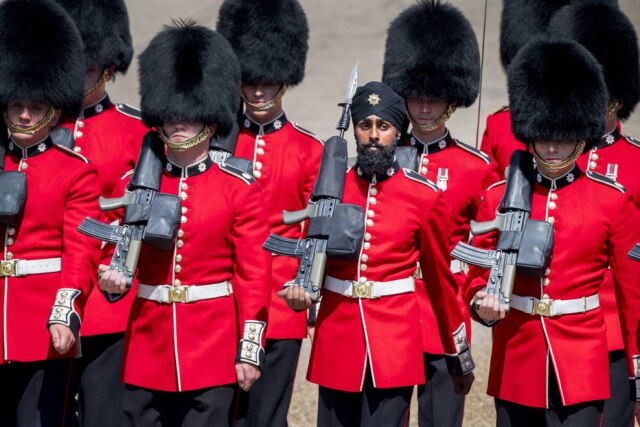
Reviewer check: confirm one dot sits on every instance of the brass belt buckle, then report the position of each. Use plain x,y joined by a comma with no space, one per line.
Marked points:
361,290
8,267
542,307
178,294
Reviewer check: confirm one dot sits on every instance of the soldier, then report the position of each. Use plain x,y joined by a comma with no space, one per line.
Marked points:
549,363
271,40
367,352
47,266
442,73
600,27
110,136
183,352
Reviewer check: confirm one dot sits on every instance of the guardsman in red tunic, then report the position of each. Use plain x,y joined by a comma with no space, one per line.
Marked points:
47,267
549,362
197,325
521,21
271,40
367,352
600,28
109,135
441,75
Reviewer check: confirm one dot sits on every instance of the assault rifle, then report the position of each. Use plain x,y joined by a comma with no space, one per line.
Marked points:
335,229
150,217
634,254
523,244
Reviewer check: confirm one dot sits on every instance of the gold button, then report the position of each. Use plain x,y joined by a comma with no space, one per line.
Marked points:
371,214
183,219
58,310
364,257
62,301
373,191
24,166
551,220
552,205
184,210
252,336
257,174
258,165
10,241
178,258
184,186
176,282
554,196
547,272
77,149
363,267
79,134
260,151
546,282
367,245
183,195
594,156
425,161
11,231
252,328
423,170
367,237
56,316
248,355
593,165
362,280
180,233
249,346
369,223
64,294
80,124
372,200
9,255
177,268
179,244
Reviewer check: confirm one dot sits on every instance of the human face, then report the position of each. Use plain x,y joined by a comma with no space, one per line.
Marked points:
91,76
259,93
183,130
25,114
373,133
426,110
554,153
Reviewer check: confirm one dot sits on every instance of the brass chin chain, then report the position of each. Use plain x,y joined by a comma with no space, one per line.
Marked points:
104,78
563,164
613,106
30,130
264,106
434,125
184,145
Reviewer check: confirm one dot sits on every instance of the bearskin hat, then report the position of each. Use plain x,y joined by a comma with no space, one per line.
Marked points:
270,37
189,72
104,27
609,35
556,93
41,55
432,51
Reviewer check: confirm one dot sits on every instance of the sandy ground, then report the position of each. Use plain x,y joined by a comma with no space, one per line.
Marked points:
344,32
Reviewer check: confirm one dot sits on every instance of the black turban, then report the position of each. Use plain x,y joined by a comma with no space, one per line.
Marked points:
378,99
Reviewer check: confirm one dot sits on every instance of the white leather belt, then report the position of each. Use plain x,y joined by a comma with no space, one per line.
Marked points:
368,289
21,267
549,307
168,294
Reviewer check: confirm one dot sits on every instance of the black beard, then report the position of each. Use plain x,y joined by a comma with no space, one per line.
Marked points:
375,162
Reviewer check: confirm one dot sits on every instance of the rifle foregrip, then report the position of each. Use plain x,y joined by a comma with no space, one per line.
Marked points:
131,261
317,275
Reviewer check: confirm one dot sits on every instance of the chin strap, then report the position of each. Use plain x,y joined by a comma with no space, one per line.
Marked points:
180,146
33,129
264,106
557,166
435,124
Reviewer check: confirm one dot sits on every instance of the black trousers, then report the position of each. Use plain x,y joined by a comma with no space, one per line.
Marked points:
35,394
585,414
619,410
267,403
372,407
96,380
438,404
211,407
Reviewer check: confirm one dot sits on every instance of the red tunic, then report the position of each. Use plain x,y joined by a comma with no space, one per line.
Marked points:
188,346
625,153
110,137
407,222
286,160
62,189
595,225
468,173
498,141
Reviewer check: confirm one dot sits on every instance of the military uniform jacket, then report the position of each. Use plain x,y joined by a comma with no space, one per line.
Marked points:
407,221
614,149
595,225
62,190
498,141
468,173
187,346
109,136
286,159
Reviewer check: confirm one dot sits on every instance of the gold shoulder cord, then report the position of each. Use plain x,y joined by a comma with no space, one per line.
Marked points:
184,145
33,129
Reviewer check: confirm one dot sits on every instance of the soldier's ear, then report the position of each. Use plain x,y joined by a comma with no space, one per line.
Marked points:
212,130
56,118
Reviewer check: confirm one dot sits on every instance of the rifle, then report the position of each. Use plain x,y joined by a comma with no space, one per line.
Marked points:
150,216
335,229
523,244
634,254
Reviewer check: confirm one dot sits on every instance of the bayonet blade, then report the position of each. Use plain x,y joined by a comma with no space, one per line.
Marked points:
352,85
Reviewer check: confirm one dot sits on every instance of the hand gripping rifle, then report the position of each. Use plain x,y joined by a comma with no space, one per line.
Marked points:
523,244
335,229
634,254
150,217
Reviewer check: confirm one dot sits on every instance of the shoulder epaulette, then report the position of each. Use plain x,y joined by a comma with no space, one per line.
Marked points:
605,180
237,173
307,132
127,174
128,110
73,153
415,176
495,184
501,109
474,151
632,141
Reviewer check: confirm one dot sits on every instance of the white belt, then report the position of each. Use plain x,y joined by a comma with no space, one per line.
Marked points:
369,289
549,307
168,294
21,267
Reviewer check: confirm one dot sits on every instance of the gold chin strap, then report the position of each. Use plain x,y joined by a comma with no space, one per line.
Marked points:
184,145
264,106
33,129
436,124
563,164
612,107
104,78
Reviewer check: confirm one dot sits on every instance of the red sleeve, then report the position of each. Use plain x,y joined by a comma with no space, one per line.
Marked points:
487,144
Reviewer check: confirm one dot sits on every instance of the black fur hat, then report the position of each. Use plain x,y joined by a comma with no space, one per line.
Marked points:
432,51
611,38
189,72
42,57
104,27
270,37
556,93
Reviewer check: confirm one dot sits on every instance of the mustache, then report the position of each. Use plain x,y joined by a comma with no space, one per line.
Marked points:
373,144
